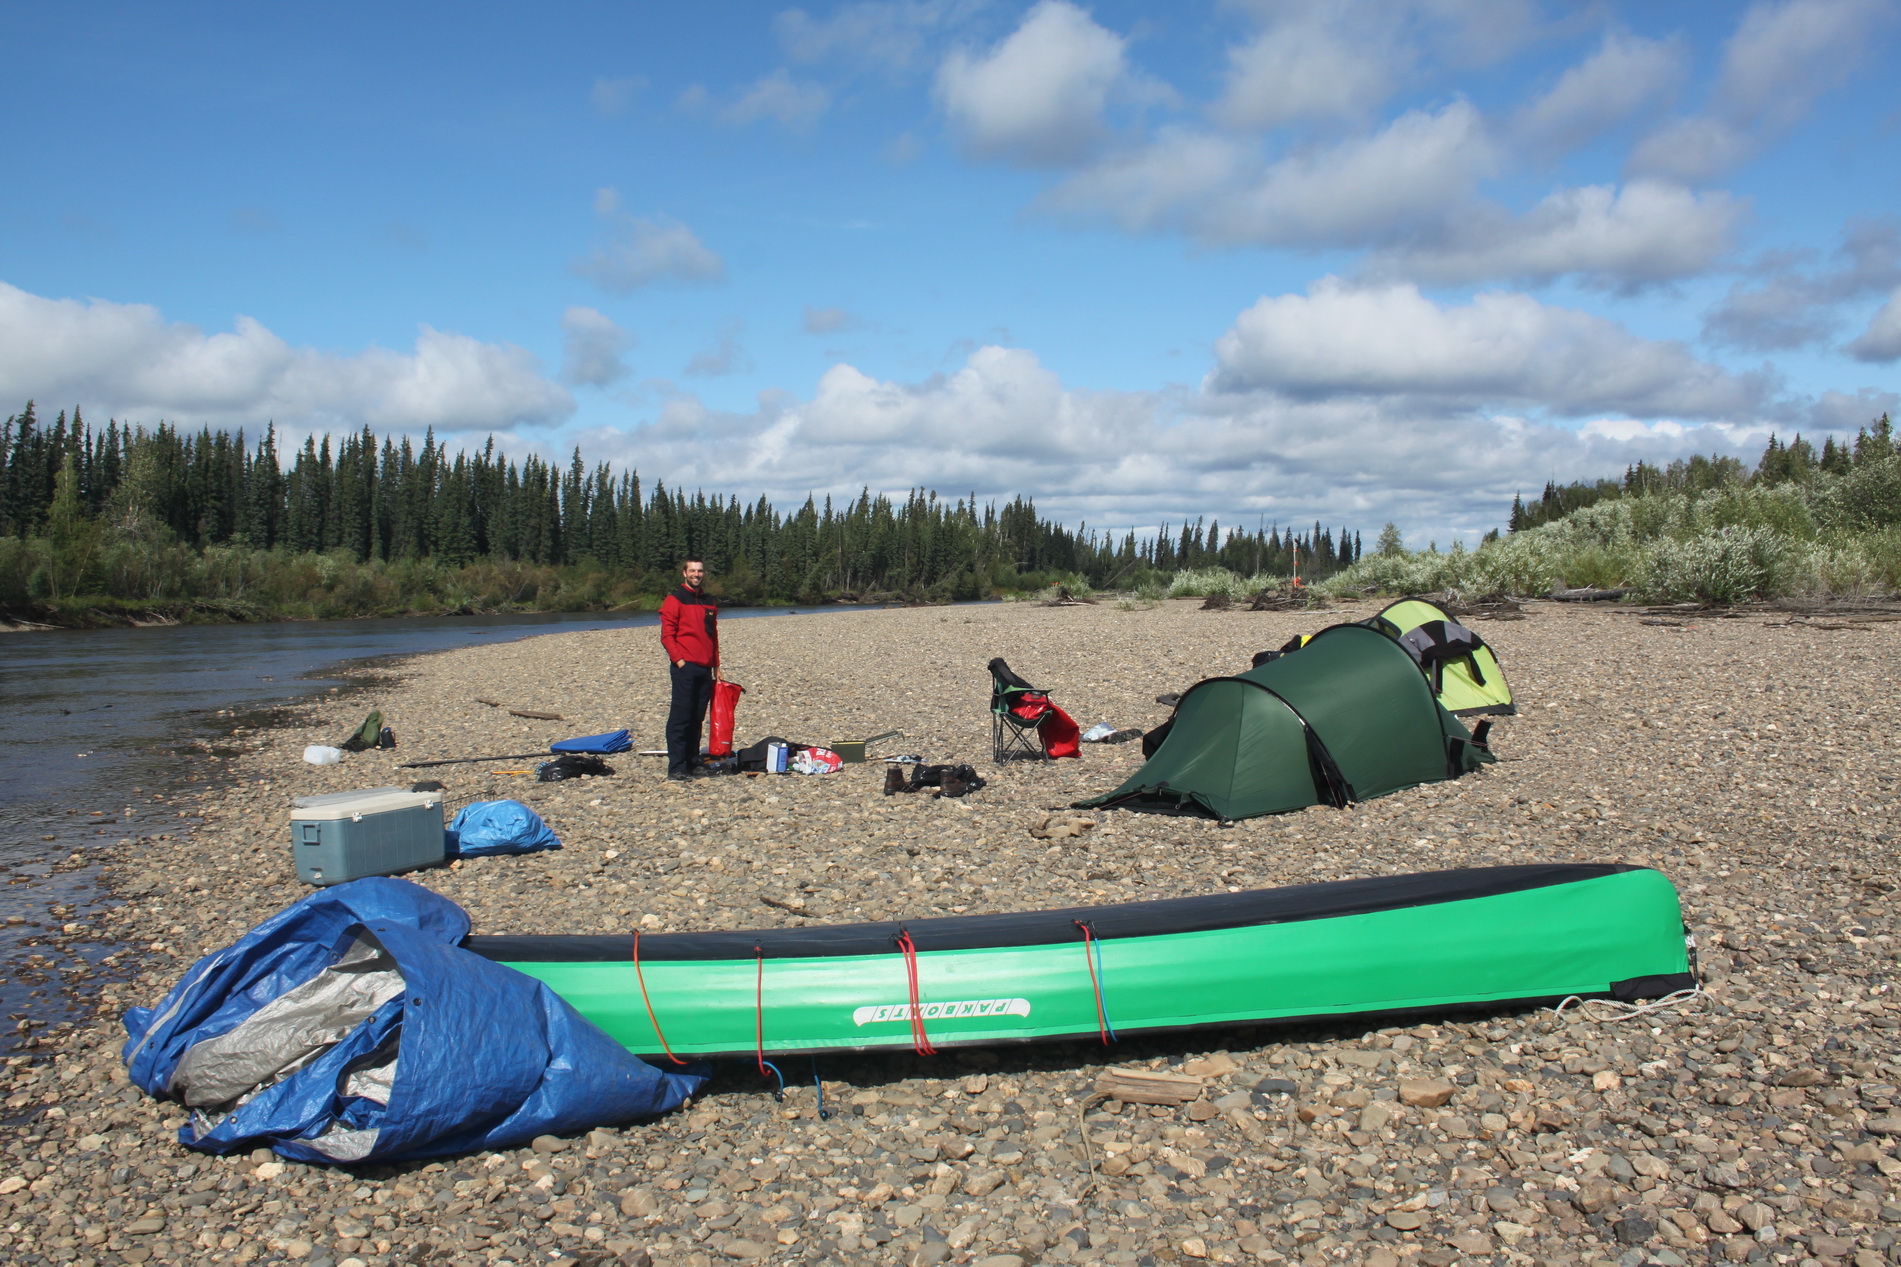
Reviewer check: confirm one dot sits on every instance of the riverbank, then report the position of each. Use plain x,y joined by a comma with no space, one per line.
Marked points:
1751,759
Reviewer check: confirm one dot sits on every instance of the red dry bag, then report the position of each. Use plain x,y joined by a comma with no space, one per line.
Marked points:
719,718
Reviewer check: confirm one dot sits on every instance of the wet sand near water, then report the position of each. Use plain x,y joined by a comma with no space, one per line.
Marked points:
1753,760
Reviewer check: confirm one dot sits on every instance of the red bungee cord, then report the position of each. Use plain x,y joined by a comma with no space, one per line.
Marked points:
919,1039
641,977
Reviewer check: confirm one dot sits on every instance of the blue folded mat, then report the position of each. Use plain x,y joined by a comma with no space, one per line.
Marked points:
612,741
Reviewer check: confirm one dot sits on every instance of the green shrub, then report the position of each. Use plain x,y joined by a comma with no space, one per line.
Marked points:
1865,499
1720,567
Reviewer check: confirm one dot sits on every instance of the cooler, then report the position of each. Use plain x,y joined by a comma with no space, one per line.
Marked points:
347,835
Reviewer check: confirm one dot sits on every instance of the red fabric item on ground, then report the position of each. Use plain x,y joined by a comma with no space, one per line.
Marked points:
719,718
1061,737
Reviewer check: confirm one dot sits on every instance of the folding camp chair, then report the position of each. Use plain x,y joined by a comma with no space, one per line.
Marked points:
1016,712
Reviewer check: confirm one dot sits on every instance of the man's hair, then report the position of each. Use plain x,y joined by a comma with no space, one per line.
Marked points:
691,558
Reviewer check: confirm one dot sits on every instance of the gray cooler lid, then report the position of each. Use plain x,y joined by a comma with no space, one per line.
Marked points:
380,800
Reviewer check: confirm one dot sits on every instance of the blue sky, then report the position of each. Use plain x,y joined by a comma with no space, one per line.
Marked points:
1348,261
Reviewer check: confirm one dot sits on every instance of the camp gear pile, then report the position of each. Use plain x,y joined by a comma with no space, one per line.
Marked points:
775,755
352,1028
1346,718
572,765
371,734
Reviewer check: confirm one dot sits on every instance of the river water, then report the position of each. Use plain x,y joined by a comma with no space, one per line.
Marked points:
102,726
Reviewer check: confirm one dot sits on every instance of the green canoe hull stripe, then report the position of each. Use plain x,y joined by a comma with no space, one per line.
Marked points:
1579,938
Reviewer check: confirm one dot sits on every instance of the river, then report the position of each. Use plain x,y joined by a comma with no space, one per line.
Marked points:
104,725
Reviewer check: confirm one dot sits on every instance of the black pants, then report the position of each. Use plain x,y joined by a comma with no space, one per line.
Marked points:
692,692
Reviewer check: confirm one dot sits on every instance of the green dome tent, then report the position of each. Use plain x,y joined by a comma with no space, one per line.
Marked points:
1348,718
1463,668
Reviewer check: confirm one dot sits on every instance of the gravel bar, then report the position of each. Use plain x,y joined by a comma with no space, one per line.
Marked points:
1752,759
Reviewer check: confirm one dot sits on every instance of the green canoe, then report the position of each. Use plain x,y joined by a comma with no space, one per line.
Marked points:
1487,936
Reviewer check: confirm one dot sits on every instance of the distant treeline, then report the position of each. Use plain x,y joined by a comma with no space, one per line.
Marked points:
138,515
1801,525
1794,462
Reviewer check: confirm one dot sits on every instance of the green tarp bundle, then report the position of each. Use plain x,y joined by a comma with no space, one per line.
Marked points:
1346,718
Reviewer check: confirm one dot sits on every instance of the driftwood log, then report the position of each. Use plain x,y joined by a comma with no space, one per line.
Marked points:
1148,1086
1589,594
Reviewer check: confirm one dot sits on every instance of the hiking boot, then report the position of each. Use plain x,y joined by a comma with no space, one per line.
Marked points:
894,781
679,776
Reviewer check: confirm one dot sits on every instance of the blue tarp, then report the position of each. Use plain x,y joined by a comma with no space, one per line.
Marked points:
490,827
411,1046
603,745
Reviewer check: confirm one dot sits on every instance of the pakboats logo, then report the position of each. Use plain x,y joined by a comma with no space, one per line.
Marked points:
939,1011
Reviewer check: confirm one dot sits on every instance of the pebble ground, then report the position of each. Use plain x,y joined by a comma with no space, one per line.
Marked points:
1752,759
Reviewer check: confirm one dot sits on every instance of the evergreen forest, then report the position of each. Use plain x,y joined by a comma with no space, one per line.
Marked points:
129,522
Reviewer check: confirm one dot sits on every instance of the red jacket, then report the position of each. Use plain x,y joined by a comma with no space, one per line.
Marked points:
689,627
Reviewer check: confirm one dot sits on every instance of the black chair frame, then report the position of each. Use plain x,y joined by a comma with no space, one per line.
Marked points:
1011,737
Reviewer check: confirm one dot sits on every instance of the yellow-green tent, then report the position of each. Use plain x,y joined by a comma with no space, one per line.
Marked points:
1463,670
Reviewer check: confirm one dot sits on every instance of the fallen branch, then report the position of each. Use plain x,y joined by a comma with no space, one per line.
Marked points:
1148,1086
1588,594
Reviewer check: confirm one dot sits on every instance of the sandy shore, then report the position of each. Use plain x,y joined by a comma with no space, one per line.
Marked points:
1753,760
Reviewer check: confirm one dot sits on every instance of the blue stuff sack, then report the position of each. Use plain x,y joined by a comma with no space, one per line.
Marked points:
353,1028
601,745
492,827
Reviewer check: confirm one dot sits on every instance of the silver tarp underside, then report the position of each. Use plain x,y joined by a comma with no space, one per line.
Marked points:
219,1074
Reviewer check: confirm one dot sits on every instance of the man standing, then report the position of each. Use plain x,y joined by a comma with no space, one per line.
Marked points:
689,630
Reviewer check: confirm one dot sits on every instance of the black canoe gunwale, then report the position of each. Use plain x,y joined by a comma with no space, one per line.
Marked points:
1204,913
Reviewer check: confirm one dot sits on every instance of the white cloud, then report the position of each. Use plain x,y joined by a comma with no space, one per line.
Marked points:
126,360
1390,184
1781,59
1384,187
1626,74
610,97
1501,349
1881,341
724,357
1004,423
636,251
1846,412
1646,232
795,106
1312,62
1407,191
1789,306
891,36
594,344
827,320
1037,98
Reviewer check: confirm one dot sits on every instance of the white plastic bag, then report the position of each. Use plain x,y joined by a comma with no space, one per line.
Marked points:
1098,732
322,754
